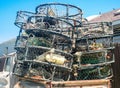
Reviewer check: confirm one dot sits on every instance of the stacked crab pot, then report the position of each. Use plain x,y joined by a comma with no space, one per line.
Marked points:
56,44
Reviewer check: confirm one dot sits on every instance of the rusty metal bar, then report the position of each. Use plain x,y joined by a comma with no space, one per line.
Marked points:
82,83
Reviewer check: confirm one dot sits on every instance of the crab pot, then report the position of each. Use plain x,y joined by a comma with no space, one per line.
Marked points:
93,58
99,72
41,71
97,57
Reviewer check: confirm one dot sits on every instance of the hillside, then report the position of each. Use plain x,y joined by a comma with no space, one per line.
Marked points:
10,44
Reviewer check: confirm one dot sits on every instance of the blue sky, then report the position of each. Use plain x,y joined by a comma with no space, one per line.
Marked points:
8,9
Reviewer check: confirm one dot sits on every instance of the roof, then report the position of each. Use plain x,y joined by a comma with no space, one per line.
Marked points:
91,17
107,17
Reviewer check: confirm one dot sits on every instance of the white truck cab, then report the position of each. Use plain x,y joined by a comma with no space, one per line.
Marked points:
6,67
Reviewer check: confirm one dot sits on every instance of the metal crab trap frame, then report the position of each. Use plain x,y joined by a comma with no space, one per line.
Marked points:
94,51
55,44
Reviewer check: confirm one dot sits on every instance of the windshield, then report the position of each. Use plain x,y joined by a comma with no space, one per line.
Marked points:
7,64
2,61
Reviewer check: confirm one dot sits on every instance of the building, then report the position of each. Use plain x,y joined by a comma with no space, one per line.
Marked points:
111,16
